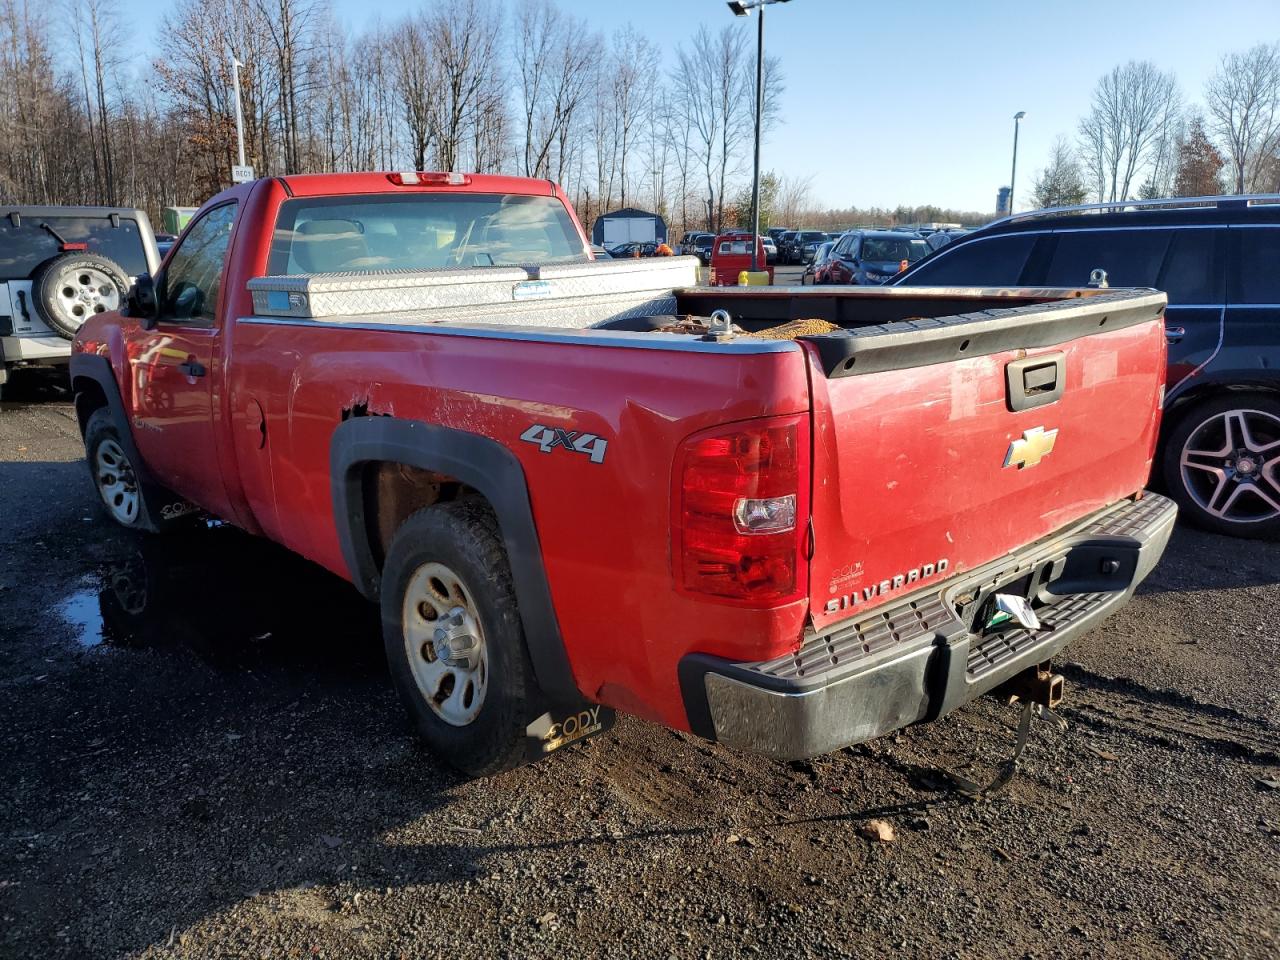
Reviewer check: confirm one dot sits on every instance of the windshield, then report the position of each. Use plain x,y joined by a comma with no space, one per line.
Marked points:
811,236
893,248
421,232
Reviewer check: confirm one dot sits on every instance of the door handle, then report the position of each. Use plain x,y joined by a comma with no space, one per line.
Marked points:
1174,334
192,367
1035,381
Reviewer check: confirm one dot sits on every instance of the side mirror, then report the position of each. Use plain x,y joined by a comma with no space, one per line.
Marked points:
141,301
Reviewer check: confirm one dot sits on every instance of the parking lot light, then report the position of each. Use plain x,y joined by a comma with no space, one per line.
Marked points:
1017,119
743,8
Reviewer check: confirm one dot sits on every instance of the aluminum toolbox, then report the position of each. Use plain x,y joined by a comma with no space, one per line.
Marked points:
558,295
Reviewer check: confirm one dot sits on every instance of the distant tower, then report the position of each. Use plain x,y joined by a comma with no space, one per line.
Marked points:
1002,202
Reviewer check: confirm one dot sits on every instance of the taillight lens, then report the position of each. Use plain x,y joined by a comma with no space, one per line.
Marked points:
741,500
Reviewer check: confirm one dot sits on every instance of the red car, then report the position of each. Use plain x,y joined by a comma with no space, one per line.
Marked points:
731,254
577,486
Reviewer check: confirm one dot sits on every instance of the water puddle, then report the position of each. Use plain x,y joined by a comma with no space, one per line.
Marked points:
81,610
235,601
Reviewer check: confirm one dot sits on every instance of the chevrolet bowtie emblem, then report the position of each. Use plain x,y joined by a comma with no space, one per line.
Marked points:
1036,444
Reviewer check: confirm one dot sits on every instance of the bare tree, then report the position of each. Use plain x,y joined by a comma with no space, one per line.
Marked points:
555,57
80,124
716,86
793,197
633,65
416,79
1131,114
464,45
1243,100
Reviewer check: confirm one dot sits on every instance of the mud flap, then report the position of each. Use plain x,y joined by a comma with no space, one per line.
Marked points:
561,726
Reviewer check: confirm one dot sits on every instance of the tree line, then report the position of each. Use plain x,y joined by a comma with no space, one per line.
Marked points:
478,85
1141,140
524,87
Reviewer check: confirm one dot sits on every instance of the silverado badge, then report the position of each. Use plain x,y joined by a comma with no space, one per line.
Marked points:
1036,444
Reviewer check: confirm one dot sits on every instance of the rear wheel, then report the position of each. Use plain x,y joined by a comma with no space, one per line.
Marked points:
1222,465
454,639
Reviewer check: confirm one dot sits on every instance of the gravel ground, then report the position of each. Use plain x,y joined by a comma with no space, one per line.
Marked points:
203,758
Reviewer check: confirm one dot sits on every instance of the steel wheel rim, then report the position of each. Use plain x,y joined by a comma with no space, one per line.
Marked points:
85,292
117,483
444,644
1230,466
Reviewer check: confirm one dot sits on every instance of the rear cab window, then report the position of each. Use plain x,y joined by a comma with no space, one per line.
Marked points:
365,234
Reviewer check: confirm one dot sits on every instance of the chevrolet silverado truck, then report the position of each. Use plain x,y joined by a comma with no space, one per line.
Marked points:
784,519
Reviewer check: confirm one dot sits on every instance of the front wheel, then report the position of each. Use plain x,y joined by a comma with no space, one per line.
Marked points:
1222,464
129,498
454,640
114,474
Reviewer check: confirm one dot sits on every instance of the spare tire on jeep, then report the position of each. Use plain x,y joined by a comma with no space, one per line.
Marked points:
70,288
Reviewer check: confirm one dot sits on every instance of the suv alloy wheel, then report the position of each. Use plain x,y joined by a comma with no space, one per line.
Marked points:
1222,464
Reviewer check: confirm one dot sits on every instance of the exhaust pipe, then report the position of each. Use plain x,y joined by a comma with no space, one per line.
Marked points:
1036,684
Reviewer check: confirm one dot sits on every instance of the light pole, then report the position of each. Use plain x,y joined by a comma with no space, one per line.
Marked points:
235,83
743,8
1017,119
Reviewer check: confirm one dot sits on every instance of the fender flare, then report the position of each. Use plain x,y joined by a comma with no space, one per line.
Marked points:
88,366
1192,389
481,463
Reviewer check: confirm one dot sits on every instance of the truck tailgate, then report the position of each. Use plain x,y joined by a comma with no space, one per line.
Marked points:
936,453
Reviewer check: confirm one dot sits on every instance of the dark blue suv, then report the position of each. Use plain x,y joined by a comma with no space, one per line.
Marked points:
1218,259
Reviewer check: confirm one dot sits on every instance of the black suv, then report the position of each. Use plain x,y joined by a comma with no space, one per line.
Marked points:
791,248
1218,260
59,266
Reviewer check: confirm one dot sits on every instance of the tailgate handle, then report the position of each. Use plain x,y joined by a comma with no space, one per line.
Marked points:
1035,381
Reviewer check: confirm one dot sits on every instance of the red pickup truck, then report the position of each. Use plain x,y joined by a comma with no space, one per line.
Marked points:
784,519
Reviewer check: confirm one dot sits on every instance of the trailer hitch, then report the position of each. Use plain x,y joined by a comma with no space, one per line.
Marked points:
1036,685
1038,689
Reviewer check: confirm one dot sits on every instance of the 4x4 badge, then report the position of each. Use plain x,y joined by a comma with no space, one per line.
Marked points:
548,438
1036,444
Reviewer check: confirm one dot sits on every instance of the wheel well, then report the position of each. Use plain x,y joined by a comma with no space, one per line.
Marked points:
1206,392
89,397
392,491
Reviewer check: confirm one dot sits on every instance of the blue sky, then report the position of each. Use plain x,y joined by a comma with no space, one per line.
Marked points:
912,102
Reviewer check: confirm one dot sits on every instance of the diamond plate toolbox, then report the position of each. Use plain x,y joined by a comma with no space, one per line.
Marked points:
562,295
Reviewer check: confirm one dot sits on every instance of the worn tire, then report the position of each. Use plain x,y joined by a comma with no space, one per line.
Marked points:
68,289
158,510
463,537
1196,428
114,476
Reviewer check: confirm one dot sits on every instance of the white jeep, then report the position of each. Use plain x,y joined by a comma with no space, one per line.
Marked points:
58,266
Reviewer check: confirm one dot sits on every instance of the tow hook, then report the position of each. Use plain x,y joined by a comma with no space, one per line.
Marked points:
1036,684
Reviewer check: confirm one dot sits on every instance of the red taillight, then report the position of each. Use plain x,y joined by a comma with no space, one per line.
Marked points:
423,178
740,509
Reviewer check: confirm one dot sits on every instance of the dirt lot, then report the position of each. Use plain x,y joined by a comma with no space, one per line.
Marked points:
203,758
